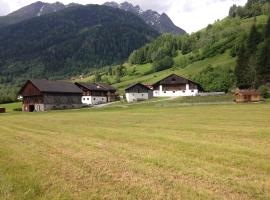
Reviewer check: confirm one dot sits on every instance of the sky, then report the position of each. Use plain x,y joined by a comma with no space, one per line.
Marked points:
191,15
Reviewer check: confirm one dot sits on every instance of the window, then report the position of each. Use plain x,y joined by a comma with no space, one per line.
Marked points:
173,91
87,99
164,91
184,91
142,95
94,99
84,99
192,90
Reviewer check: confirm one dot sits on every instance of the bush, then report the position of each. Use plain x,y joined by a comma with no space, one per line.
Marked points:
17,109
163,64
264,91
216,79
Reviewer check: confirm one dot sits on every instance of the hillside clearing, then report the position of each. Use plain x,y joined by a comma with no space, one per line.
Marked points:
144,151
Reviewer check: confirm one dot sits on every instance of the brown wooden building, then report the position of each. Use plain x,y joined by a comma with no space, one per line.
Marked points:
245,96
97,93
44,95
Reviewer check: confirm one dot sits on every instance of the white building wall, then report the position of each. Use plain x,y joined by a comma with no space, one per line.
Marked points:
134,97
93,100
179,93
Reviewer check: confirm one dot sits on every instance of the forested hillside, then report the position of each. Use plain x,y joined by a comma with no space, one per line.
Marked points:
69,42
241,34
208,56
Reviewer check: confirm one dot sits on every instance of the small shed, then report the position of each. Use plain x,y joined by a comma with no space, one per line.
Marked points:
138,92
2,110
245,96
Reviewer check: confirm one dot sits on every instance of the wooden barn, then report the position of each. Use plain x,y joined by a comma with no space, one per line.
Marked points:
245,96
138,92
176,86
97,93
44,95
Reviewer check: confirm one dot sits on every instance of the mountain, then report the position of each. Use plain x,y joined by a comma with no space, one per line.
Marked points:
160,22
33,10
70,41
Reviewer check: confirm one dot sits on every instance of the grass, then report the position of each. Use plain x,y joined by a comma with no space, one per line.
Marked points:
144,151
11,106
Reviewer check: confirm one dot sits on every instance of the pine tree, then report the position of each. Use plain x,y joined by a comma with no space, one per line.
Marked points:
110,71
263,62
117,76
263,57
97,77
242,71
267,29
253,40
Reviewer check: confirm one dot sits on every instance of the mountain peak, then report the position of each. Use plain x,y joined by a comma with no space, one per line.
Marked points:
37,9
160,22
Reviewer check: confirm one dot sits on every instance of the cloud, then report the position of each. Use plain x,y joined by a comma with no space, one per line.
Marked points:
191,15
4,8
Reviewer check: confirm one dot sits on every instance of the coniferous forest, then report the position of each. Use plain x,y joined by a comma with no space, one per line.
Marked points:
66,43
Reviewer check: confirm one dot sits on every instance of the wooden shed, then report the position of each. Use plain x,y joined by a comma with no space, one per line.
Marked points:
2,110
245,96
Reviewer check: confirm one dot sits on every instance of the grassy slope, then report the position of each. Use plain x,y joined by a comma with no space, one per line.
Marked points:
223,60
143,72
146,151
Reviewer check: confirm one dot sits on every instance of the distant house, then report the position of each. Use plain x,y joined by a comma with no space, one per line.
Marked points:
176,86
97,93
245,96
138,92
44,95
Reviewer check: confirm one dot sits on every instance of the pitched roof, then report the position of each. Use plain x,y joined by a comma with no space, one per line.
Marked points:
134,84
54,86
174,79
96,86
247,92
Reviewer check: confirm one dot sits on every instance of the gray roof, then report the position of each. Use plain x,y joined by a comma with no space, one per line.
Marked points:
56,86
97,86
131,86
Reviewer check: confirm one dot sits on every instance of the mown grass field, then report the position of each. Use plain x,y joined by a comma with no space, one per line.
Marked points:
157,150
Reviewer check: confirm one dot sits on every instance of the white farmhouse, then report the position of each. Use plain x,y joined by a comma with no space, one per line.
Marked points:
176,86
97,93
138,92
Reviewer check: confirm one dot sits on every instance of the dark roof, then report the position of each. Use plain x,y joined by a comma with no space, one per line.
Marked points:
48,86
131,86
174,79
96,86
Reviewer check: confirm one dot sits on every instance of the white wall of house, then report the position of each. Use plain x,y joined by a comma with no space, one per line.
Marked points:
93,100
134,97
177,93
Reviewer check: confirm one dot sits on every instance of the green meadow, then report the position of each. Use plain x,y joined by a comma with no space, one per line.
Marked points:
163,149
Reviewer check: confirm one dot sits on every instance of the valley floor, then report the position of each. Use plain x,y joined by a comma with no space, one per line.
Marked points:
146,151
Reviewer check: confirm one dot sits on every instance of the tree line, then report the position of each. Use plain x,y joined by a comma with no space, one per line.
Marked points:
253,62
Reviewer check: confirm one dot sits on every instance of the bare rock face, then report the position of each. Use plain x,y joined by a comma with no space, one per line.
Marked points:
160,22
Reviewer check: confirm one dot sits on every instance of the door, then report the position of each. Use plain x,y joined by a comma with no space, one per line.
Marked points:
31,108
